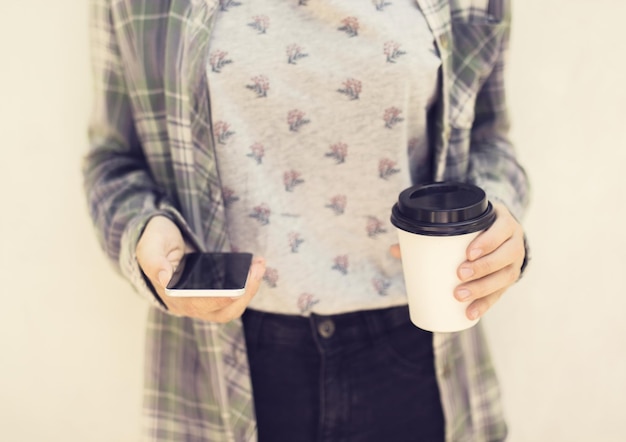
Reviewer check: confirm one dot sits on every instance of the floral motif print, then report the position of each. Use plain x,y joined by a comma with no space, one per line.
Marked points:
222,132
381,4
386,168
295,241
338,204
295,119
350,25
260,23
260,85
225,4
256,89
229,196
261,214
217,60
257,152
374,227
341,264
392,51
352,88
306,301
338,151
291,179
381,285
294,53
392,117
271,277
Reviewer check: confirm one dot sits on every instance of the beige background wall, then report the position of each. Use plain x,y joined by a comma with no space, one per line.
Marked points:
71,331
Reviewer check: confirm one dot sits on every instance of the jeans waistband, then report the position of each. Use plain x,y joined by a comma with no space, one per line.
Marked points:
344,328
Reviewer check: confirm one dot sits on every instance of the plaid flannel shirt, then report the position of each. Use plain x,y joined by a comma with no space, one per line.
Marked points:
151,152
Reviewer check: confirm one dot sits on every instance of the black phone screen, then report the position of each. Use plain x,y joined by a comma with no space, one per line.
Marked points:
211,271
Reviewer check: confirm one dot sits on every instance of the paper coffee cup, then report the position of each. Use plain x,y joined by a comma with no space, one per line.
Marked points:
436,223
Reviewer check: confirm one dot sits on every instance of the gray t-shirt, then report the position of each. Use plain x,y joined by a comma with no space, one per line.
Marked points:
319,117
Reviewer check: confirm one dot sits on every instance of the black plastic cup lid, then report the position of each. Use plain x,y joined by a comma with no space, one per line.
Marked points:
443,209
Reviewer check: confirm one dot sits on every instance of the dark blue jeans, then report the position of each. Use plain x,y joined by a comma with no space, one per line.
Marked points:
358,377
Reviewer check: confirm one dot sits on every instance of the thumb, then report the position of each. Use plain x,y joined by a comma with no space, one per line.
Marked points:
160,246
162,271
158,269
164,276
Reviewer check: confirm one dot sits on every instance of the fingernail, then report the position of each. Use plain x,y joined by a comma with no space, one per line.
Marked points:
163,280
475,253
473,313
466,272
462,294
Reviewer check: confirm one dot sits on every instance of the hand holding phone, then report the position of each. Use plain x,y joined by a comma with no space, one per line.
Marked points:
210,275
160,250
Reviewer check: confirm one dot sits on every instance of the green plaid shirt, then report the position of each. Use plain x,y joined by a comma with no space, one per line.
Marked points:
151,152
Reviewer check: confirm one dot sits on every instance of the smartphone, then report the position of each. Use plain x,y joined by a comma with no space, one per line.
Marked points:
210,274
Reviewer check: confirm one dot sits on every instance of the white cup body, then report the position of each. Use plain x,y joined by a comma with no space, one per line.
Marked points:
429,264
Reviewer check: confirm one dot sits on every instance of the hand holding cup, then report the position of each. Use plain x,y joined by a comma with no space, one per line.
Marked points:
493,263
436,223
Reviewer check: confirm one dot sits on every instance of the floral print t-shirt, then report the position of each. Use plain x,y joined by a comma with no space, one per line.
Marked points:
319,118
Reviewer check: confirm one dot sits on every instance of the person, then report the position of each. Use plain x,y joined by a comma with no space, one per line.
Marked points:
287,129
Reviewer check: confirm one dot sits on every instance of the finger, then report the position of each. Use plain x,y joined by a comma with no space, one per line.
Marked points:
510,252
500,231
487,285
238,305
480,306
394,250
231,311
196,307
255,276
205,307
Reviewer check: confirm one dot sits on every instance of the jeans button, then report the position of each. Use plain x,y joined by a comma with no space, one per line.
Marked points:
326,328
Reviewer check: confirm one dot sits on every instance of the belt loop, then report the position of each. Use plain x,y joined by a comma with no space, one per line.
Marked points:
374,322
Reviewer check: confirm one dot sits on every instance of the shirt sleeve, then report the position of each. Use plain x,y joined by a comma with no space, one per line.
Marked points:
121,194
493,163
